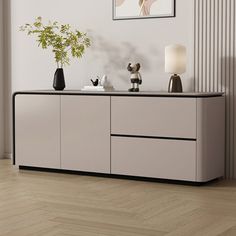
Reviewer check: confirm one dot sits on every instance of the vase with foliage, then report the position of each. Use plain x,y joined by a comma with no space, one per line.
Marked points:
63,41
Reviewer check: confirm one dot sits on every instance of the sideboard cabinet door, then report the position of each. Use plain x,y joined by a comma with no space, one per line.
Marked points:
37,130
155,158
85,133
154,116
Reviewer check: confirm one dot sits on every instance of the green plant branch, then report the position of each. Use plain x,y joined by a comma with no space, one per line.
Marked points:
63,41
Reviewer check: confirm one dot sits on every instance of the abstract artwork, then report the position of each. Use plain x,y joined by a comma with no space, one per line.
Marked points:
138,9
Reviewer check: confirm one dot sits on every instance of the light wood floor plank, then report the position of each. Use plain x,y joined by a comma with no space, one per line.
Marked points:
51,204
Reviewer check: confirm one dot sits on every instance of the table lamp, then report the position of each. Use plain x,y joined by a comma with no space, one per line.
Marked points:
175,64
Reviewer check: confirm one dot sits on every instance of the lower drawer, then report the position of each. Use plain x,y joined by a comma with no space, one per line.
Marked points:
156,158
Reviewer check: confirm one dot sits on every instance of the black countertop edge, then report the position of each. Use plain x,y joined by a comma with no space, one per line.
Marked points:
120,93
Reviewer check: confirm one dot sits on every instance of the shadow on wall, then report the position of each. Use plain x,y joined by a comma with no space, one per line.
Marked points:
116,56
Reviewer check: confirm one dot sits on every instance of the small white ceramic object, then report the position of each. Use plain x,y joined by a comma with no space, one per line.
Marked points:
104,81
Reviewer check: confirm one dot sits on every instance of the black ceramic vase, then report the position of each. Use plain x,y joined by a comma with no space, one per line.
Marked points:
59,80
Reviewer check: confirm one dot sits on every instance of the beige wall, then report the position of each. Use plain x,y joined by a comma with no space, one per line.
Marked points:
1,82
115,43
7,77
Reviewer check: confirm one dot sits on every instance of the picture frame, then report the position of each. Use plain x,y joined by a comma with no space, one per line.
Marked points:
143,9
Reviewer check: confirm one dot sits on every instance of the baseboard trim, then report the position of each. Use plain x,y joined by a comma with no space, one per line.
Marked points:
7,155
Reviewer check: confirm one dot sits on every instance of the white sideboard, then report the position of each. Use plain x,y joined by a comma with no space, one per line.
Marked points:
154,135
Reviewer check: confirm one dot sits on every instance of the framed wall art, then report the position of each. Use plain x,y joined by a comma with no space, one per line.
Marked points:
139,9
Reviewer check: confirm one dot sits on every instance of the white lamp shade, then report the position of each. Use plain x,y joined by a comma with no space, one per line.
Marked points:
175,59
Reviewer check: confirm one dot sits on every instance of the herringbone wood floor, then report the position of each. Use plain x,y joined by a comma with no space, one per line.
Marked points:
43,204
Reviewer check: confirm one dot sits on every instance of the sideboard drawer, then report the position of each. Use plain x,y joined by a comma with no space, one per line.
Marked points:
156,158
149,116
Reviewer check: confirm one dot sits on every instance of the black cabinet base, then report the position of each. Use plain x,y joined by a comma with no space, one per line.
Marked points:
127,177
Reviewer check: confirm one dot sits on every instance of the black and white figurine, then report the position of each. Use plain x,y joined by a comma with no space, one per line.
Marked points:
135,77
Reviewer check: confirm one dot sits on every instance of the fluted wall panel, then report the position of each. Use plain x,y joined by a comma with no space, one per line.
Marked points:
215,62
